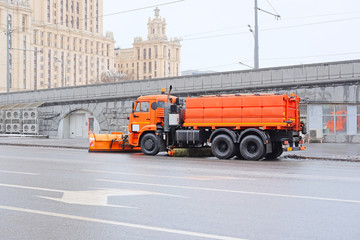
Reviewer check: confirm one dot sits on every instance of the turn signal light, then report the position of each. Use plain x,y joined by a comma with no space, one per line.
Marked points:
289,149
302,148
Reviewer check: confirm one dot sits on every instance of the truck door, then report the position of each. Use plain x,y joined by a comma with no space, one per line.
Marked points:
141,116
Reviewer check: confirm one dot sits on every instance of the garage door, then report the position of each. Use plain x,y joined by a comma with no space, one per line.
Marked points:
78,128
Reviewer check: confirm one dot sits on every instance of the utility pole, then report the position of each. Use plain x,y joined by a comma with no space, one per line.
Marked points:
256,35
7,47
256,32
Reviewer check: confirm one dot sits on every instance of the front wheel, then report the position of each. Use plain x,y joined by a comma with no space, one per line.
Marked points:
222,147
252,148
149,144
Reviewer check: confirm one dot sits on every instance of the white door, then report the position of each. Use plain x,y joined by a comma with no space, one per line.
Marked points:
78,128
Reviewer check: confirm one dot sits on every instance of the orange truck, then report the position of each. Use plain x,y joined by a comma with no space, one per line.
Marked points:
248,126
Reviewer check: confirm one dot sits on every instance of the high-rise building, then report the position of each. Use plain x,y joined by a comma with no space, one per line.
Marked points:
54,43
156,57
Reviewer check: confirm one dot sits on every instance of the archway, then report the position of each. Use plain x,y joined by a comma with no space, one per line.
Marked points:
76,125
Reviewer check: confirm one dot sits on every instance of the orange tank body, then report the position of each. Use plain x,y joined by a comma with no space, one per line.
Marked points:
267,111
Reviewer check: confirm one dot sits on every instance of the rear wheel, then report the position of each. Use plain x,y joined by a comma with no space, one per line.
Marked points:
252,148
149,144
222,147
276,151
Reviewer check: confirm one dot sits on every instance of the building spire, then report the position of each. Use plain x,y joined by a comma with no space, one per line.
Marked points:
157,10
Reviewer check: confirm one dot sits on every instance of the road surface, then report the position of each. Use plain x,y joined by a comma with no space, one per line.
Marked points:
50,193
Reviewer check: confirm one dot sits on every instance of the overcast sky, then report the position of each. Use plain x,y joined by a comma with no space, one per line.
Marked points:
216,36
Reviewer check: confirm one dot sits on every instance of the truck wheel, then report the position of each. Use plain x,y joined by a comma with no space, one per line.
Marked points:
252,148
222,147
276,151
149,144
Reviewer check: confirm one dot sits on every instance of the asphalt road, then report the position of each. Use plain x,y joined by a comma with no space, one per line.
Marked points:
72,194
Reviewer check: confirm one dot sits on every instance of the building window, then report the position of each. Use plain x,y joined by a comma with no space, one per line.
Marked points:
35,68
149,67
48,39
137,71
62,11
169,54
55,40
156,52
144,67
138,54
72,6
149,53
34,36
334,119
48,10
144,53
358,119
23,23
10,27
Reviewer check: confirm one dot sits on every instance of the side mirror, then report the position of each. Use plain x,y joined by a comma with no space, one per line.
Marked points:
133,105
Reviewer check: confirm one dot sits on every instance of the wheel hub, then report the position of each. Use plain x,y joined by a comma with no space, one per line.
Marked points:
149,144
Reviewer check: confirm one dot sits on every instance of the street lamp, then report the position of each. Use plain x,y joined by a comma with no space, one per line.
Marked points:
8,80
256,32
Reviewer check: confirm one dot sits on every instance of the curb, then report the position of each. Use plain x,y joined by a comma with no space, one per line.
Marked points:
349,159
44,146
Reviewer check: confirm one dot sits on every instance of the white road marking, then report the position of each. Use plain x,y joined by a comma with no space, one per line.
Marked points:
301,176
232,191
24,173
116,223
91,197
201,178
30,188
99,197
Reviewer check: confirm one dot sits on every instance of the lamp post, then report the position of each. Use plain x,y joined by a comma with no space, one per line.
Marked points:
256,32
256,35
7,47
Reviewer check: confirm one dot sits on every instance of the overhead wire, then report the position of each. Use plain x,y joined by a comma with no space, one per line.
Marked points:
104,15
276,28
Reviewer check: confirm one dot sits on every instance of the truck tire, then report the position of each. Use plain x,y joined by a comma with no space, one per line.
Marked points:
222,147
276,151
149,144
252,148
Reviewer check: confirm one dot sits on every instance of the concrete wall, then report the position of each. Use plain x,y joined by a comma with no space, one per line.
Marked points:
301,75
110,104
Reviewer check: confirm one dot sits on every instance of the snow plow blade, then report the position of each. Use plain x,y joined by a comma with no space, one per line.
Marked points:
114,142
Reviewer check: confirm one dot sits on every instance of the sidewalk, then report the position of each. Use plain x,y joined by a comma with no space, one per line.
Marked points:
322,151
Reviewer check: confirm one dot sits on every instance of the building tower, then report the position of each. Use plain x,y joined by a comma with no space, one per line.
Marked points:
156,57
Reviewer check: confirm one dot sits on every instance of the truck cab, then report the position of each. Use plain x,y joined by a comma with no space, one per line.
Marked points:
147,116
